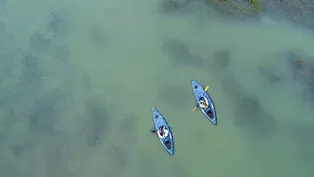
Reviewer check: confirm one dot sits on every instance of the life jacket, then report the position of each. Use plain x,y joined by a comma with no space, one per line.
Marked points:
204,103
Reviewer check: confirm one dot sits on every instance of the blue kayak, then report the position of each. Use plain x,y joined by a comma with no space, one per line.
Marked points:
165,138
203,102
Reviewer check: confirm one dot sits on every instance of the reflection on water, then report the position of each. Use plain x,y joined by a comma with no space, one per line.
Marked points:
78,80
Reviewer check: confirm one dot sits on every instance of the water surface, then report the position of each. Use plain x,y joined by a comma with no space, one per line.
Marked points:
79,78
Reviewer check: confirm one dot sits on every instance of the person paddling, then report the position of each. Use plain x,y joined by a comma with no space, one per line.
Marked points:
162,132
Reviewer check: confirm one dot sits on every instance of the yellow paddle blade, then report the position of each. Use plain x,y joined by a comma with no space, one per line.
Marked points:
206,88
194,108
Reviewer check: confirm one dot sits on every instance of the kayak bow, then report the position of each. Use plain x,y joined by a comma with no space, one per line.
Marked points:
159,121
203,101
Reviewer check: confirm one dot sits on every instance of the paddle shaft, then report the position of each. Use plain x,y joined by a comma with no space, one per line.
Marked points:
154,131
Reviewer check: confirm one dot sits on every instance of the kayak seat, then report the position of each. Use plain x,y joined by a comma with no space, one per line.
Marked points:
168,144
210,114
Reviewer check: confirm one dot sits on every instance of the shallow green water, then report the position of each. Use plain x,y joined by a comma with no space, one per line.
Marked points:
79,78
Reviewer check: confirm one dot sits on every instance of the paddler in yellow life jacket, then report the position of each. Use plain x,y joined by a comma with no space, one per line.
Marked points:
203,102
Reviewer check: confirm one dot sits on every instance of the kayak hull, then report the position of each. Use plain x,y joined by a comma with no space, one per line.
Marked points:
198,91
158,121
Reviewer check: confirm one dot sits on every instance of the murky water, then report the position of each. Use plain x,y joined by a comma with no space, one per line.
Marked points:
79,78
